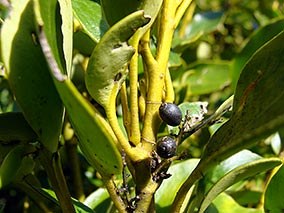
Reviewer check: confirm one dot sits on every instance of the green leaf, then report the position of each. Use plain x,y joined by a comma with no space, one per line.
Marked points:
107,68
15,128
96,139
114,11
201,24
12,163
83,43
259,38
79,207
28,75
206,78
224,204
58,28
67,32
241,158
237,174
168,189
258,101
98,200
89,15
257,111
273,202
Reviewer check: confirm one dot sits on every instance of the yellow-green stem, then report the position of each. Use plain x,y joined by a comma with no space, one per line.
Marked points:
181,10
187,19
125,109
132,152
133,84
154,95
116,199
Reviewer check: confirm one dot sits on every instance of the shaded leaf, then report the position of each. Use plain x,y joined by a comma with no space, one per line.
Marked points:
79,207
12,163
259,38
29,79
258,101
15,128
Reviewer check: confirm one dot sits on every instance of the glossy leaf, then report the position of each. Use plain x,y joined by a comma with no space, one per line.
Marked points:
12,163
237,174
261,85
89,14
257,111
167,191
273,202
206,78
29,79
201,24
107,68
241,158
259,38
99,200
15,128
224,204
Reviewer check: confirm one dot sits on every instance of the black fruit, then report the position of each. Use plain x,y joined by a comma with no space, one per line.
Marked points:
170,114
166,147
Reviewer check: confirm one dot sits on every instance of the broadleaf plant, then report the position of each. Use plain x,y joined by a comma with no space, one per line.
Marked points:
83,89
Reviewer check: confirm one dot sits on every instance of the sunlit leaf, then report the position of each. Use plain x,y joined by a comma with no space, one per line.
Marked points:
201,24
167,191
107,68
89,15
206,78
224,204
235,175
273,202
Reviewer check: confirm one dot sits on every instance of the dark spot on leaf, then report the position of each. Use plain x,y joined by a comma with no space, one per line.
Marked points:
116,46
115,166
118,77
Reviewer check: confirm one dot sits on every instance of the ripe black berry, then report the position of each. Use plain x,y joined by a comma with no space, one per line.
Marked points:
170,114
166,147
